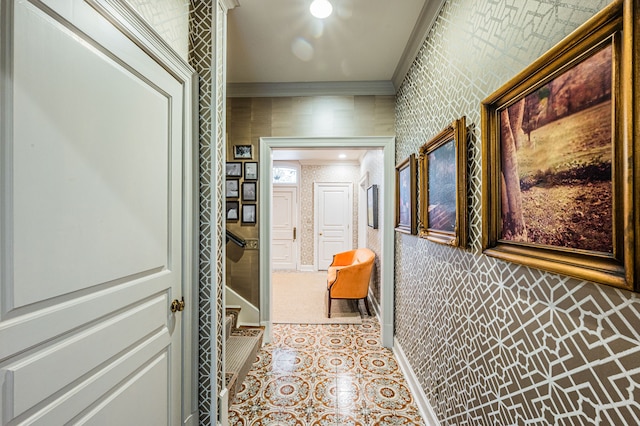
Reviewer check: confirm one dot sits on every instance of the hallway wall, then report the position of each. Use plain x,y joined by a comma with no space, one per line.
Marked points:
307,116
373,166
492,342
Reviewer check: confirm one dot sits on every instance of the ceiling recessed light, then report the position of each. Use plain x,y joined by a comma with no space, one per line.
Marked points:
321,8
342,156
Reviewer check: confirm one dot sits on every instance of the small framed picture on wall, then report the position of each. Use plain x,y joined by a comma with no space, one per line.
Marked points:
249,191
232,188
249,214
244,152
251,170
234,169
233,211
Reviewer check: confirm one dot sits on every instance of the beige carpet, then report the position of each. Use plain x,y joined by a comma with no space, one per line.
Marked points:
301,298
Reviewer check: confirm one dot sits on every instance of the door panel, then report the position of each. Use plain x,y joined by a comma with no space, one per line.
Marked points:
284,251
334,217
91,253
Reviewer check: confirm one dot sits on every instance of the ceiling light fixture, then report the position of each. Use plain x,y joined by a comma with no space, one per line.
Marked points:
321,8
342,156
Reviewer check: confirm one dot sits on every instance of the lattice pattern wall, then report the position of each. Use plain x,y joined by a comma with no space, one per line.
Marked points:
207,23
493,342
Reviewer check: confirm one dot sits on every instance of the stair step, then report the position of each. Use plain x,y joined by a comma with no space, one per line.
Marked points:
242,348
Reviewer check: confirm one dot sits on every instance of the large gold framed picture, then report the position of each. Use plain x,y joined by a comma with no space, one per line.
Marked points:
556,189
443,186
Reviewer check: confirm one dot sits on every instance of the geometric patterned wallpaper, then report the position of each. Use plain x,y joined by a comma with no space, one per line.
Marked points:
169,18
492,342
201,57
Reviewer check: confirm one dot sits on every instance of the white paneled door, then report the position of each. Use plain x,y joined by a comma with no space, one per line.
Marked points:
92,247
334,216
284,238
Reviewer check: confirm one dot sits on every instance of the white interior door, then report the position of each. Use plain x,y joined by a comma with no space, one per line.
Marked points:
284,243
91,247
334,216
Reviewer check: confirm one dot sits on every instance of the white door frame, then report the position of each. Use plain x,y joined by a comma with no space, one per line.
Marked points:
387,143
316,226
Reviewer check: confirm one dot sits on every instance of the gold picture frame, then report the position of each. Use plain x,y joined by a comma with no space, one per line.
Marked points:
443,186
557,150
406,195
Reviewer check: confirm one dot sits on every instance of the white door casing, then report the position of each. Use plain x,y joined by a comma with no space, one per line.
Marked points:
95,219
387,144
284,223
333,209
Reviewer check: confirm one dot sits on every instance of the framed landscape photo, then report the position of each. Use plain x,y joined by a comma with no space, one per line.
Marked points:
555,171
232,188
244,152
234,169
249,214
406,195
372,206
251,170
249,191
233,211
443,186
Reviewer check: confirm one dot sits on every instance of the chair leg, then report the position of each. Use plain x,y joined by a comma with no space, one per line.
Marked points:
366,305
329,304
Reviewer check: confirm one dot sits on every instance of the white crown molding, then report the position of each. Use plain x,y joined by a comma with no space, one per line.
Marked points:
428,15
320,88
126,19
229,4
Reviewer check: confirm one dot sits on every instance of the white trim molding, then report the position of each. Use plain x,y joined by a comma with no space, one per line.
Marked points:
426,411
428,15
317,88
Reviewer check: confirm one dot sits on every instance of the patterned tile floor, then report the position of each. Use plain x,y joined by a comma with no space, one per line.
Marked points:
324,375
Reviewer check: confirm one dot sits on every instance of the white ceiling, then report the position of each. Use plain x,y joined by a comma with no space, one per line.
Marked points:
365,43
276,48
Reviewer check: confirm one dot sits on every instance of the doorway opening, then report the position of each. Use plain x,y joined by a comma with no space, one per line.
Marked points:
387,145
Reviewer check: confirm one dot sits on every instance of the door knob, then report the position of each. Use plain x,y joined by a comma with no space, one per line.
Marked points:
177,305
294,233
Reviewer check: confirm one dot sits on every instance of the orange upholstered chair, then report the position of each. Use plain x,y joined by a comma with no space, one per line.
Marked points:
348,276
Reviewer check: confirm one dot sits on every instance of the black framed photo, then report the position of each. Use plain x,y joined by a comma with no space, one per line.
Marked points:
249,213
234,169
232,188
233,211
251,170
249,191
244,152
372,206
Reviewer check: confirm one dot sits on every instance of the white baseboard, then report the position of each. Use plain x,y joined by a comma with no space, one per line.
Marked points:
249,315
426,411
306,268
